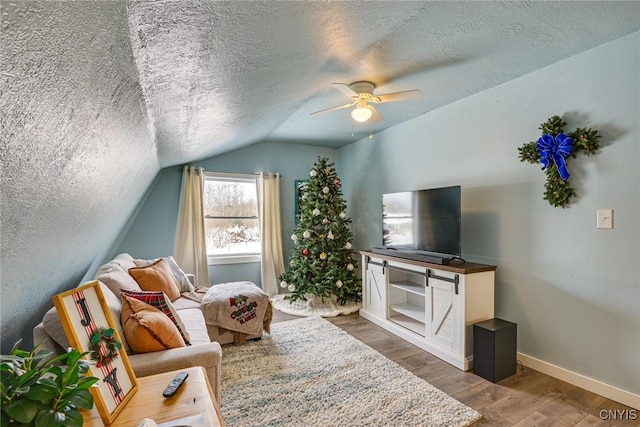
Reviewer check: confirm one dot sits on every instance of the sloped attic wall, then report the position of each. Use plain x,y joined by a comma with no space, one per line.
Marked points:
76,148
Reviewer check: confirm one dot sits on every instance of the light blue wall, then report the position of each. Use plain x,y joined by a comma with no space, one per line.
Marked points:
573,290
152,232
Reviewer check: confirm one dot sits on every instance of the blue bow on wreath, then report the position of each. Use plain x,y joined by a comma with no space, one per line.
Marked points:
558,149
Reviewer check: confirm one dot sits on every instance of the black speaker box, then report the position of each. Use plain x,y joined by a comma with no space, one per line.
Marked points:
494,349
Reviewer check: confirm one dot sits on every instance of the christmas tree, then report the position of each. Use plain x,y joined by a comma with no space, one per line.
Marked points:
322,263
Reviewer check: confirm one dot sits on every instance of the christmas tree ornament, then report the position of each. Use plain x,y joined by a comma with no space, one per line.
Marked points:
343,215
292,288
350,267
325,221
316,211
283,284
323,256
313,173
339,284
326,190
347,245
330,235
337,181
294,237
306,234
305,252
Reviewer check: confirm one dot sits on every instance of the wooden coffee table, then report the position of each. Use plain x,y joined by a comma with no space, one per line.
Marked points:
193,398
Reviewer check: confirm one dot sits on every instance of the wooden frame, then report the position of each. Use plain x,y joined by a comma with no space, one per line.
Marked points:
83,310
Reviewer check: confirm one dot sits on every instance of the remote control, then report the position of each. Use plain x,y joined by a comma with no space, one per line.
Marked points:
175,384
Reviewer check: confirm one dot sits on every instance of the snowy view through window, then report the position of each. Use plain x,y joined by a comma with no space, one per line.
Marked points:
231,216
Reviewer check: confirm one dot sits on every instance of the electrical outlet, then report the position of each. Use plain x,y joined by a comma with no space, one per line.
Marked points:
604,218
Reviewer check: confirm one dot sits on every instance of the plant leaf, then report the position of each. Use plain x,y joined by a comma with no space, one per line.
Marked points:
73,418
85,382
50,418
70,376
42,392
82,399
23,410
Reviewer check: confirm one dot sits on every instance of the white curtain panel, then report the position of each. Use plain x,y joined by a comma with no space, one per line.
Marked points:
270,232
190,251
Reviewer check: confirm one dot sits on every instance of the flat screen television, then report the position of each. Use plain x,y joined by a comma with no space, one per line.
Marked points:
423,222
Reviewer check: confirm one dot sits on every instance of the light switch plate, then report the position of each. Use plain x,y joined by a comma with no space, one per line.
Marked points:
604,218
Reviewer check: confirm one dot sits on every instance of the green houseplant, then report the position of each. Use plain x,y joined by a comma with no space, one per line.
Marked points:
38,390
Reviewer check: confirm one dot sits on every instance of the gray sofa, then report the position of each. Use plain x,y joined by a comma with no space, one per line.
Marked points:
114,276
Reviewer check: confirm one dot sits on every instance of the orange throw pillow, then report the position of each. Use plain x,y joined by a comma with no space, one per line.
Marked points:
146,328
156,277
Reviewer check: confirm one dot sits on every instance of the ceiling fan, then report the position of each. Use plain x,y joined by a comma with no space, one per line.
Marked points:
361,94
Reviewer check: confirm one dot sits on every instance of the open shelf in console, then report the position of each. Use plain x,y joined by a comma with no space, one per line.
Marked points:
408,286
407,299
409,323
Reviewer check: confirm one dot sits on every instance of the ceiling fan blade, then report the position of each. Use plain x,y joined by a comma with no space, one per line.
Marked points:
397,96
375,116
345,89
337,107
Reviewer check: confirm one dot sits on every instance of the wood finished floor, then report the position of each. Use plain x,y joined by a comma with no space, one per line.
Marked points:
528,398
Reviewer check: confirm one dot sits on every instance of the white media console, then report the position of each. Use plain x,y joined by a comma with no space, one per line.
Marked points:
429,305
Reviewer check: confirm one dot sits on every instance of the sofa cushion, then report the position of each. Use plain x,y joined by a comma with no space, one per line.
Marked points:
195,323
182,303
156,277
180,277
124,260
160,301
147,328
53,326
116,279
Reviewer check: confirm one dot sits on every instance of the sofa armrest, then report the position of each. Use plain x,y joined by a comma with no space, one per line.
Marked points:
207,355
42,338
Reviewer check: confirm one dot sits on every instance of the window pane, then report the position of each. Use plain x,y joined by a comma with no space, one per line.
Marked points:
232,237
230,198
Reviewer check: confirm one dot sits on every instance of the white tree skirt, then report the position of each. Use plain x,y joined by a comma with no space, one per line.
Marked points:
314,306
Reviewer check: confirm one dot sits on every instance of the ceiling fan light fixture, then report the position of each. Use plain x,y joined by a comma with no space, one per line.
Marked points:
361,114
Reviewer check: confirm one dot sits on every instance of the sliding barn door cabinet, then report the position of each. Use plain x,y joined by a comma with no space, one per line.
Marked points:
429,305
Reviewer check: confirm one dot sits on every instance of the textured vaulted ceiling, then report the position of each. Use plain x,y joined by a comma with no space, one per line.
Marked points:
219,75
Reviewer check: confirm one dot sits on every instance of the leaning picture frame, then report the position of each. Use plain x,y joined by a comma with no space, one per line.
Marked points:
89,327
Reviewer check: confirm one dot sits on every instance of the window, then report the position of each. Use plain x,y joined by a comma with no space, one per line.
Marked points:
231,222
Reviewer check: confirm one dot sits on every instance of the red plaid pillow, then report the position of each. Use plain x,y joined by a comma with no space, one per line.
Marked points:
160,301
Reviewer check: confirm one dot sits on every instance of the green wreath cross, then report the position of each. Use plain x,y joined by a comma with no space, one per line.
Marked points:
552,149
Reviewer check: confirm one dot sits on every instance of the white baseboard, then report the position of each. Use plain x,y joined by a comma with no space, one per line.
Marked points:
610,392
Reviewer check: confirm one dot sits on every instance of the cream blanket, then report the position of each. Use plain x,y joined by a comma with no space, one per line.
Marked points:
237,307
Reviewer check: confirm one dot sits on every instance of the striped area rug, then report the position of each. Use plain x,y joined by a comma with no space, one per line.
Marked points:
309,372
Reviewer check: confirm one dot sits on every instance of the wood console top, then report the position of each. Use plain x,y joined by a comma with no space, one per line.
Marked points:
455,266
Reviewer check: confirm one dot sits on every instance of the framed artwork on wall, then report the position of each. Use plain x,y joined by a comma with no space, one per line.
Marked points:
300,185
89,327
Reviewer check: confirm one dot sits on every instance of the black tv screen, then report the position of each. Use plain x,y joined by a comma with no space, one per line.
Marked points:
423,220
